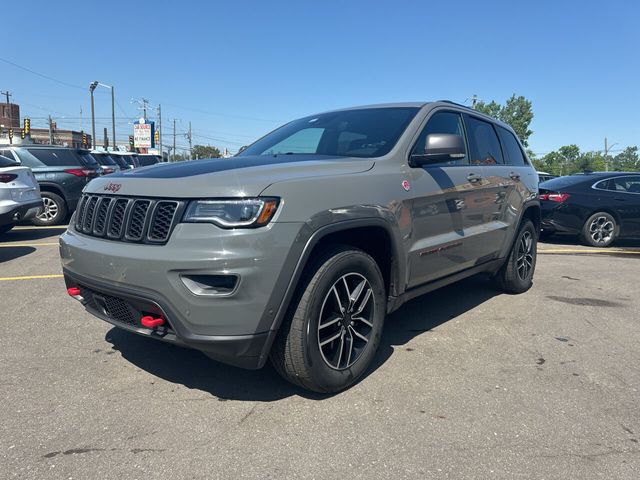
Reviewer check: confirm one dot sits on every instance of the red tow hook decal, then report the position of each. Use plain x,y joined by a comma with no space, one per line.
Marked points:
73,291
150,322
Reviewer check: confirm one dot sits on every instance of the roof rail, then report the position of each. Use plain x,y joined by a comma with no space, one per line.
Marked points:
455,103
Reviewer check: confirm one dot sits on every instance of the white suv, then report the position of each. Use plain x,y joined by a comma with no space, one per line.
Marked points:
19,194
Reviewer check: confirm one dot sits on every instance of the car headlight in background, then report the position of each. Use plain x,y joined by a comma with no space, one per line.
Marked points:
249,212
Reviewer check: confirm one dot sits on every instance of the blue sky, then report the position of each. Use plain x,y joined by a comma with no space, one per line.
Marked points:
237,69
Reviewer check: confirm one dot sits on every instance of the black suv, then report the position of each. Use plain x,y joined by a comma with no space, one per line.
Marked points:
62,174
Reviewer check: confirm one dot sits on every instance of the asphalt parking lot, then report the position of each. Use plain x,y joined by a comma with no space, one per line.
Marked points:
468,383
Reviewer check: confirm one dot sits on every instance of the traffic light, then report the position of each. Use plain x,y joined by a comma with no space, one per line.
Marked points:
84,139
156,136
22,134
11,134
131,141
27,126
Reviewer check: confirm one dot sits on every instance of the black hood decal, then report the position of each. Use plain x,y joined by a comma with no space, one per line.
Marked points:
214,165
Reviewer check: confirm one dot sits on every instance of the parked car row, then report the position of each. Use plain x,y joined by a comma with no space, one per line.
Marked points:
63,172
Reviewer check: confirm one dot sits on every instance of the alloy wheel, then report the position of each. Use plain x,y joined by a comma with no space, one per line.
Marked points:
49,211
601,230
524,259
346,321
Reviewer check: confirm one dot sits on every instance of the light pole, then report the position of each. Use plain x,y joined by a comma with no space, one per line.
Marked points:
92,87
113,109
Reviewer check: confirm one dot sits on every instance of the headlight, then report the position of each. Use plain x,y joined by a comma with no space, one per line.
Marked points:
250,212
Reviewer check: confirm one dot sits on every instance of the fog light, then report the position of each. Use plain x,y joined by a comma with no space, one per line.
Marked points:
213,285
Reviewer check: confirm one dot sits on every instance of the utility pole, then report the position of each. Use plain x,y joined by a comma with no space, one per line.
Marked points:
174,138
606,150
190,144
160,131
144,108
92,87
113,115
50,131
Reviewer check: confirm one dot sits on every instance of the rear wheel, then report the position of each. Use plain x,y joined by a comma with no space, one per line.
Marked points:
600,230
516,275
334,326
54,210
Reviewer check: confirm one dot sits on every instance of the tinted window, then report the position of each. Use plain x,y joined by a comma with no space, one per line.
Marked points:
6,153
483,142
51,157
7,162
629,184
441,122
146,160
87,159
367,132
512,149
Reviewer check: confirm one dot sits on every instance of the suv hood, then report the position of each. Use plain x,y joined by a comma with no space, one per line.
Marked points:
223,177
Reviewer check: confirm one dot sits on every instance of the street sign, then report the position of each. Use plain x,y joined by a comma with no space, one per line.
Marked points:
143,134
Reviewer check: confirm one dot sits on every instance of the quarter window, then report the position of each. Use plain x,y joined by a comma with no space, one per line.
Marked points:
483,142
512,150
441,122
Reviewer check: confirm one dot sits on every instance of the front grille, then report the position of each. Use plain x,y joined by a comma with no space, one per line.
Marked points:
141,220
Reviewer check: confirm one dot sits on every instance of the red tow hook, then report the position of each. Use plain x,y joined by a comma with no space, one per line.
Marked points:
150,322
73,291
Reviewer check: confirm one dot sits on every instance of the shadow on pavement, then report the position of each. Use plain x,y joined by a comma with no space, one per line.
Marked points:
17,235
12,253
572,240
193,370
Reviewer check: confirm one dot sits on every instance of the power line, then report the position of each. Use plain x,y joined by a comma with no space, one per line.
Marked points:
41,74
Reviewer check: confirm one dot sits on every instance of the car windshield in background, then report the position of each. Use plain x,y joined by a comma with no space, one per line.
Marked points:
104,159
561,182
88,159
367,133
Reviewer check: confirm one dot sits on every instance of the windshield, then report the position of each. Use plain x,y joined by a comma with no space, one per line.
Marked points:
367,132
104,159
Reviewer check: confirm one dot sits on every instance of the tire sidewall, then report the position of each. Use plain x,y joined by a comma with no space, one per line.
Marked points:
586,235
323,375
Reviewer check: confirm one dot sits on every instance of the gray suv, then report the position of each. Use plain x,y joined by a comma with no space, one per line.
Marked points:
297,248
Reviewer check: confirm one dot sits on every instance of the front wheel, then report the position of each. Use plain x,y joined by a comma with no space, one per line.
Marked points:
600,230
334,326
54,210
516,275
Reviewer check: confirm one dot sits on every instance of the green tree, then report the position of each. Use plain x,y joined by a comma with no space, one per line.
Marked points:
626,161
516,111
205,151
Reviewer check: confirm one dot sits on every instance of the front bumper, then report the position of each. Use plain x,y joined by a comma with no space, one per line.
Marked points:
18,212
232,328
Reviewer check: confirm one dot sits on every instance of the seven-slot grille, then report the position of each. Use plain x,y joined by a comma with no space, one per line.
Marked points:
143,220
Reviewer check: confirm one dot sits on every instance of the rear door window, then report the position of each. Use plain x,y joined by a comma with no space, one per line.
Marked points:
483,142
512,150
55,157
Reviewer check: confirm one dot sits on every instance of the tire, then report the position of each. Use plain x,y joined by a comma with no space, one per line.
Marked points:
516,275
54,211
600,230
5,228
303,353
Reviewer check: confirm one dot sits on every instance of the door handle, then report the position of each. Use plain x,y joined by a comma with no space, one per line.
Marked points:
473,178
514,176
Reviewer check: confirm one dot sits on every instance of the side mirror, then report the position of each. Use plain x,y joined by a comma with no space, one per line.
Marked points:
439,147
